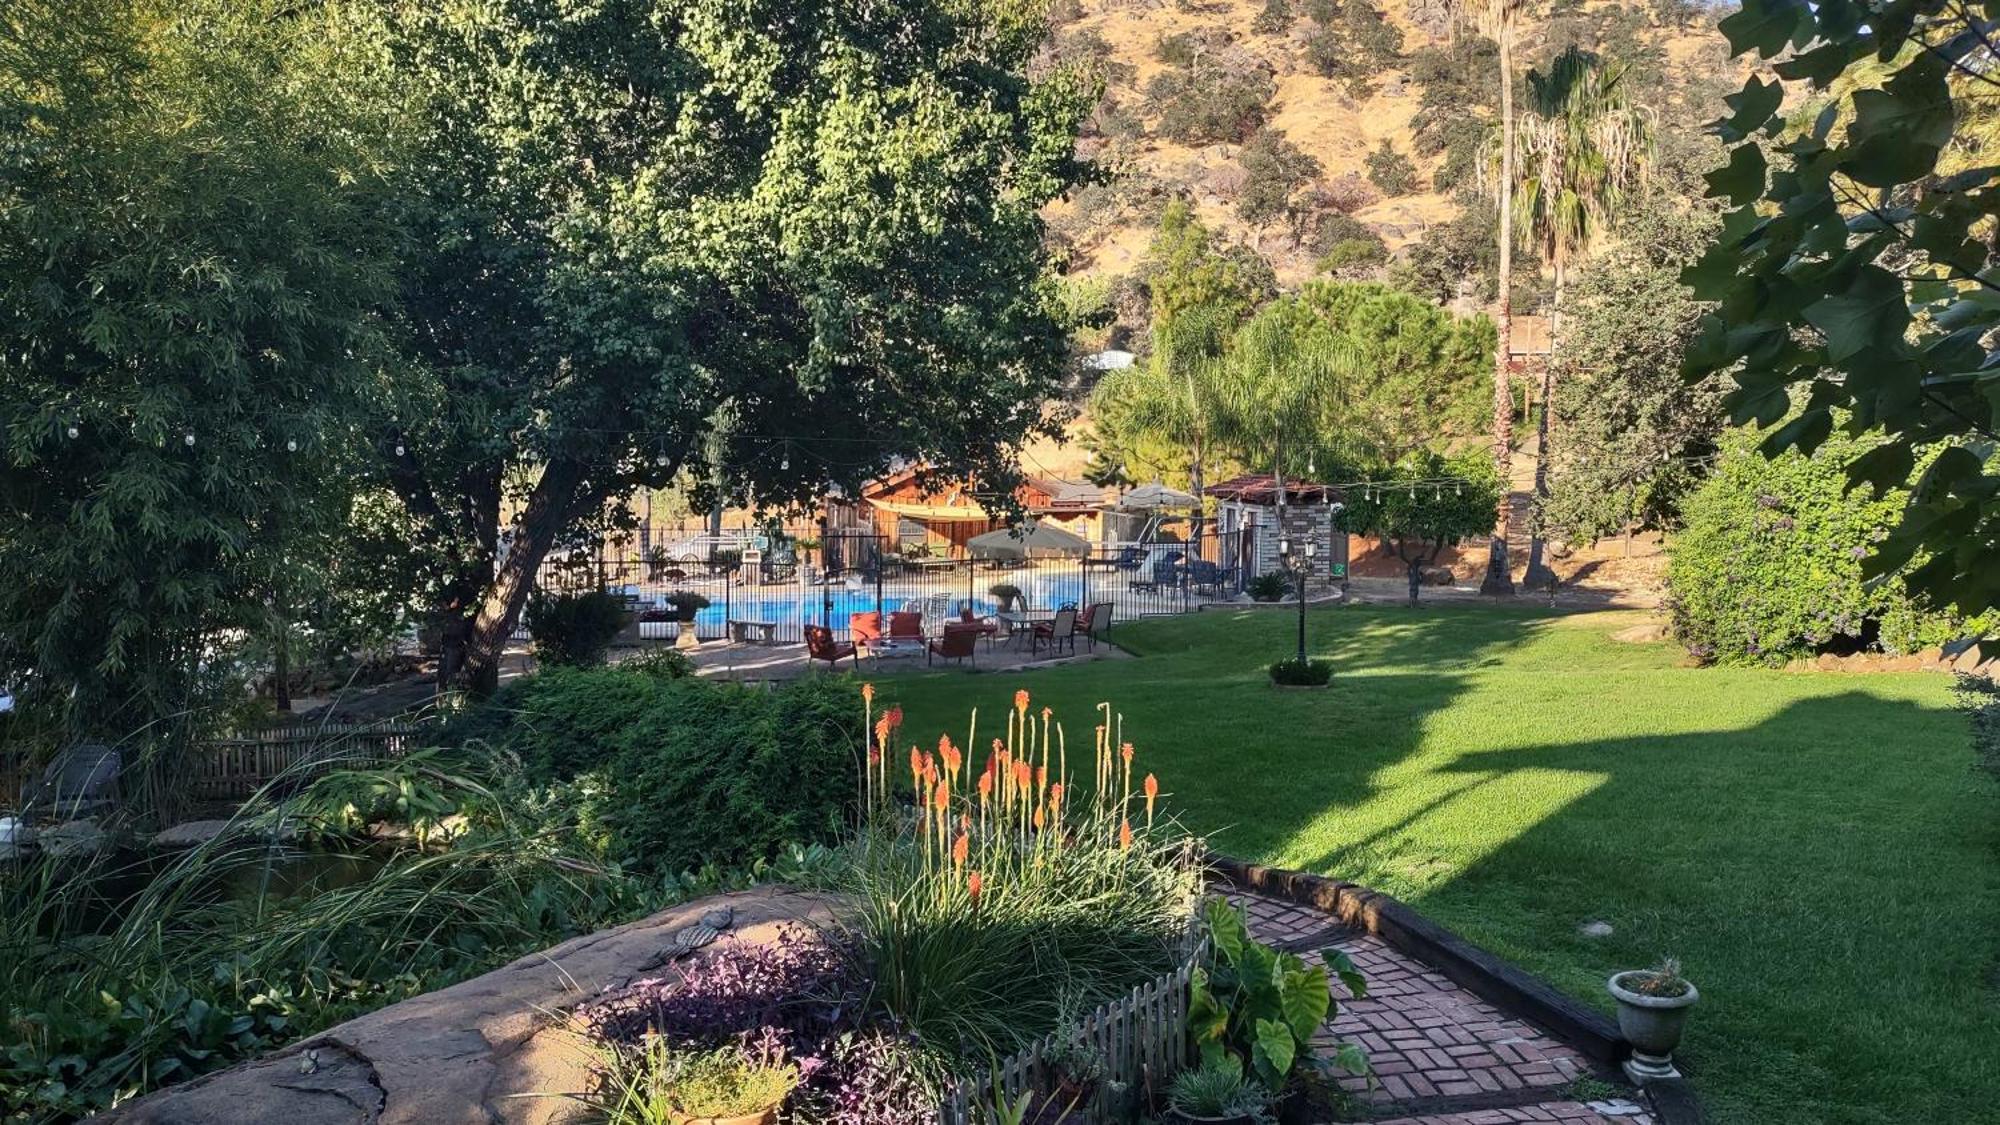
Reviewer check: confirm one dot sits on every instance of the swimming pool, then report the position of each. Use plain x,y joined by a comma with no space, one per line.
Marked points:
793,605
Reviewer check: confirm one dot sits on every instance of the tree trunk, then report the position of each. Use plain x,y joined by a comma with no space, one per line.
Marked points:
1195,482
1540,574
281,669
548,511
1416,575
1499,578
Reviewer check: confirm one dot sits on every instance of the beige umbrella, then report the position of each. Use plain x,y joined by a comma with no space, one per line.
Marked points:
1039,538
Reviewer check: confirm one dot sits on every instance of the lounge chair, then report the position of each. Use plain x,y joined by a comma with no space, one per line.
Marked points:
1128,558
1060,631
1165,574
1096,623
959,642
1204,576
820,645
986,626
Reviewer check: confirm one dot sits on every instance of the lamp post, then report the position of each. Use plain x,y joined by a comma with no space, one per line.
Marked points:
1301,566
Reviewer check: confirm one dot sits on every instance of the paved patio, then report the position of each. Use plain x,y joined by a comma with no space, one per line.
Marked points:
1441,1055
731,660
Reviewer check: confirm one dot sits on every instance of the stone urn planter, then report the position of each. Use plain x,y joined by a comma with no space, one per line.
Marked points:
1652,1012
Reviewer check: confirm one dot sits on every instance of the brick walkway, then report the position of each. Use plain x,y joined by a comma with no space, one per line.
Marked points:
1441,1055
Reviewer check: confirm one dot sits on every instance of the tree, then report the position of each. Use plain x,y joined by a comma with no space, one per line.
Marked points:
1853,279
1391,171
1200,294
1635,434
1585,146
1423,504
1499,20
193,238
768,254
1273,169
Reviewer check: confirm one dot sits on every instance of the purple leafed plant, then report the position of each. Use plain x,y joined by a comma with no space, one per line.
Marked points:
797,999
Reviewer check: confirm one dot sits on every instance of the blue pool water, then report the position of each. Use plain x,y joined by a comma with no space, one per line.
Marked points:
798,606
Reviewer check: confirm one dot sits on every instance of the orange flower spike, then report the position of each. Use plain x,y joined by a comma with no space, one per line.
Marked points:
940,796
952,759
1125,835
960,849
1040,819
867,693
1021,701
986,785
1152,788
1125,752
973,885
1056,798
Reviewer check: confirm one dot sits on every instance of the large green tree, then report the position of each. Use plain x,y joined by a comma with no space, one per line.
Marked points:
767,245
1636,436
193,235
1855,278
1422,504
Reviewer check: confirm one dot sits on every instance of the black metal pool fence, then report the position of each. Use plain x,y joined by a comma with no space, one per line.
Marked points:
777,585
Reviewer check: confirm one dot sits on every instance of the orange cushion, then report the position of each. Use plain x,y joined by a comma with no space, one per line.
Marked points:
906,624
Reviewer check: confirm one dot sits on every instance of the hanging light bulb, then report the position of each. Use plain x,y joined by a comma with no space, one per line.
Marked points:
188,438
399,449
291,445
785,462
72,431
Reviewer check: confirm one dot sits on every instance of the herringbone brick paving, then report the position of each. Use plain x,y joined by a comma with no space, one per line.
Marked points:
1439,1054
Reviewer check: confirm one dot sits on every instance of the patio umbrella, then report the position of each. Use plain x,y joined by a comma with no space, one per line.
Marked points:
1148,497
1041,538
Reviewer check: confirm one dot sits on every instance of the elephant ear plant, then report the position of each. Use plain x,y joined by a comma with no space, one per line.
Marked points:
1257,1007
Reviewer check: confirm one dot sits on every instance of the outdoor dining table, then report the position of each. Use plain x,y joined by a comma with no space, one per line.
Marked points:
1021,622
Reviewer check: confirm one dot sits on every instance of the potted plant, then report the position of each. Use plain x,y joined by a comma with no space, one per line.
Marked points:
1652,1011
1215,1095
685,605
1006,593
1294,673
1268,587
1075,1072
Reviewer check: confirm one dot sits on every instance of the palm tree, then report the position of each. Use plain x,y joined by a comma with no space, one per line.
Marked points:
1500,20
1583,147
1177,396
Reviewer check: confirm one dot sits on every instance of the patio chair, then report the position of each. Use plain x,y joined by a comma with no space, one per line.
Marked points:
1096,622
1060,631
863,628
906,626
820,645
986,626
80,781
959,642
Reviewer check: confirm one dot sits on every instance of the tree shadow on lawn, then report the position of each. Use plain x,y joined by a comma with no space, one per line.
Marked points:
1827,875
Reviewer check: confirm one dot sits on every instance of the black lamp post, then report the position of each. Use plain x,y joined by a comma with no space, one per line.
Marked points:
1300,566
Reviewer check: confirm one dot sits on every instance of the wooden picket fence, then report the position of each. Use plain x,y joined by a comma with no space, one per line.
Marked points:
1141,1036
232,769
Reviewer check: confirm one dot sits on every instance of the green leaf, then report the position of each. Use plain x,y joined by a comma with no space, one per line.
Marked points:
1306,999
1740,181
1804,432
1900,129
1884,467
1344,967
1273,1051
1765,26
1227,930
1754,105
1872,311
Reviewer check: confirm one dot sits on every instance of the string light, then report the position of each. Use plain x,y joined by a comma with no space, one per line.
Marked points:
291,445
72,433
188,439
399,449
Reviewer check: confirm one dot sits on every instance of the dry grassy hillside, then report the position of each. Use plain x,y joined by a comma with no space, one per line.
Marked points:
1106,229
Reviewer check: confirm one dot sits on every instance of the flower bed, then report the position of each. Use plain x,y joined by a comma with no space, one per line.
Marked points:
1021,911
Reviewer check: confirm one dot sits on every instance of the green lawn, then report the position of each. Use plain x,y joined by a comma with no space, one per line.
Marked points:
1816,847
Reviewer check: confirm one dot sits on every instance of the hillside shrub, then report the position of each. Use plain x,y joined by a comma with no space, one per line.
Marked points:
1273,168
574,629
1768,567
1391,171
1205,108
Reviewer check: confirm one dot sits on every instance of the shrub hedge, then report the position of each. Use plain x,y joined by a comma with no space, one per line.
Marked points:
669,772
1768,567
